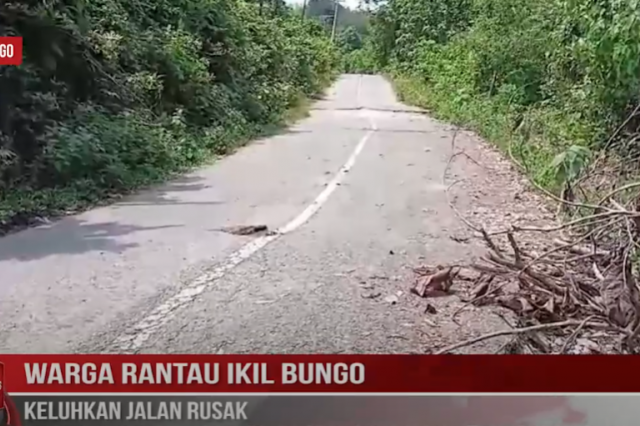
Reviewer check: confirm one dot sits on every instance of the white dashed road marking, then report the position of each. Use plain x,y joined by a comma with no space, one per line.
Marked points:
139,334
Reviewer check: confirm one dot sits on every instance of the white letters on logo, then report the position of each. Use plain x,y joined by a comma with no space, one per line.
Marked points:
6,50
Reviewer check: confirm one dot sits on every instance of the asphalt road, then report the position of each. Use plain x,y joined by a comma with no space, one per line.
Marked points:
356,193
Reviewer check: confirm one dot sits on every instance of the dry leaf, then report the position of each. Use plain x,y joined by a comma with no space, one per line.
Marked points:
437,283
550,306
519,305
483,287
617,300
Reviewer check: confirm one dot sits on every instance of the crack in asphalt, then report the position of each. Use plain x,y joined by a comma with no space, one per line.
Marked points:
366,109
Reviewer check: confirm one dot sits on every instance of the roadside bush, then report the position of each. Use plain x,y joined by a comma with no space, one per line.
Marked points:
114,94
541,76
359,61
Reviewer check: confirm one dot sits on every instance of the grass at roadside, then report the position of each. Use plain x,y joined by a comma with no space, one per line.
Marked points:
534,137
491,120
23,207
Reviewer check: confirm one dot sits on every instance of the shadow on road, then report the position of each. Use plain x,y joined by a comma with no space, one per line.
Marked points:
72,235
171,193
69,236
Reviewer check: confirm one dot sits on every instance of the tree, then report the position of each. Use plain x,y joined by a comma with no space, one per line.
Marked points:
349,39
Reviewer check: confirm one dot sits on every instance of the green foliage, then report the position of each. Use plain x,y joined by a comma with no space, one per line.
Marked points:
118,93
359,61
567,166
356,55
349,39
352,28
324,10
548,77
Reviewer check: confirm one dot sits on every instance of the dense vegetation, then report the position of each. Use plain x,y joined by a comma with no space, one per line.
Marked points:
554,79
351,29
118,93
324,11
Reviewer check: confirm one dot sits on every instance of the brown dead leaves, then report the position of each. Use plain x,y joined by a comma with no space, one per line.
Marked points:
573,282
541,289
434,282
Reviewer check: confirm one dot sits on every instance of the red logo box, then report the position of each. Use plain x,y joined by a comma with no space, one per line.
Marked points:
10,50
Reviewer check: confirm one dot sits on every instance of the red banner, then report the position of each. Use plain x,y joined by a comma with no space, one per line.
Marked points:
319,373
1,386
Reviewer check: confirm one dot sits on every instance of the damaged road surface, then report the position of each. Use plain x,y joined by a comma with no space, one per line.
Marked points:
274,249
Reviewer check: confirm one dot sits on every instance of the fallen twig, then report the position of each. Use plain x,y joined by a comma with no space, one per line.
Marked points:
507,333
571,282
453,155
574,334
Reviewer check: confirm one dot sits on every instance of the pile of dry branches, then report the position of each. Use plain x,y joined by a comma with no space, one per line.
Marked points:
575,289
